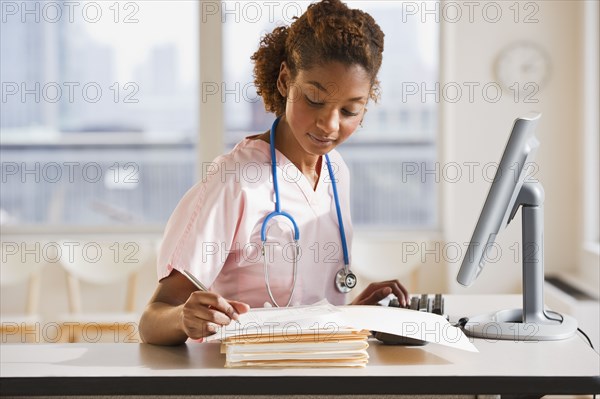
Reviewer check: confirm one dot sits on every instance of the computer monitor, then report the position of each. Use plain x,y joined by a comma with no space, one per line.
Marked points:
509,191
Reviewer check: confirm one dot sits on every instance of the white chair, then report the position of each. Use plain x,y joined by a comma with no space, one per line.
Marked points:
19,269
103,264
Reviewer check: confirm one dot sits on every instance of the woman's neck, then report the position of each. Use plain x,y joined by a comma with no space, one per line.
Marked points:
286,143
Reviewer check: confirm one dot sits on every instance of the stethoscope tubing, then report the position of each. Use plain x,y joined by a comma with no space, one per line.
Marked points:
279,212
339,215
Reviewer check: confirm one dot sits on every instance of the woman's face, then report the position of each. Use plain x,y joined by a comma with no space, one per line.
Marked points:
325,104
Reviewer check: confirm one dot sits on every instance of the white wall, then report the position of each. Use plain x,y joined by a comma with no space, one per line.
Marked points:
478,131
589,269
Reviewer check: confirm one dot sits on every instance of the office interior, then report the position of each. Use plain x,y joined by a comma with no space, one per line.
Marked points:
176,92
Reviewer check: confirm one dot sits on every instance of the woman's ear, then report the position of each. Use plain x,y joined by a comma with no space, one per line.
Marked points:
283,79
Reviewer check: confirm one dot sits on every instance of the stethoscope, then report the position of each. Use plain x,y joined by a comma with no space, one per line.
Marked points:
345,280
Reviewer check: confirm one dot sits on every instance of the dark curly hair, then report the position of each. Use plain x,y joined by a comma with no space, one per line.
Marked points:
327,31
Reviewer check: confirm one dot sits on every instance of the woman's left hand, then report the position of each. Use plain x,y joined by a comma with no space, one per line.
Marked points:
375,292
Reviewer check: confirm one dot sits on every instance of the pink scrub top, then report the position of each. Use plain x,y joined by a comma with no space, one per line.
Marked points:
214,232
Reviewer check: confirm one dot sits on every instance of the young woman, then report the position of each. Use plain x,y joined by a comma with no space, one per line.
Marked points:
317,77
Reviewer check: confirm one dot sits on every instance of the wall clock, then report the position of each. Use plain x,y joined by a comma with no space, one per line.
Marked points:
522,67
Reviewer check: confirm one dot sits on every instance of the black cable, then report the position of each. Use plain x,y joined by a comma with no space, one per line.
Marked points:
561,319
585,335
463,321
556,313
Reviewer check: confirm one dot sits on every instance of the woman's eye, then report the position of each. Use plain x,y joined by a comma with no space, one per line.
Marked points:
318,104
311,102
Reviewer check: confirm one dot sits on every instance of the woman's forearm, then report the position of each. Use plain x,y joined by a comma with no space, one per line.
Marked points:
161,324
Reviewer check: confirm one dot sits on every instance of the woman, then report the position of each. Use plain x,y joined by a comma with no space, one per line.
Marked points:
317,77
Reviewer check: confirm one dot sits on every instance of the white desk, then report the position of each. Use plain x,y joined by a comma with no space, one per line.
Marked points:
501,367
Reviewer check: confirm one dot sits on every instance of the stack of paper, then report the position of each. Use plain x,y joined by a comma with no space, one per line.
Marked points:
302,336
323,335
310,348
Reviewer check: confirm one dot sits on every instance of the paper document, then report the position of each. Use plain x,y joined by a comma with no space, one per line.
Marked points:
408,323
322,321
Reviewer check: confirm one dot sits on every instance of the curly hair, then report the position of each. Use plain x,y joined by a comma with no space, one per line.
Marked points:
327,31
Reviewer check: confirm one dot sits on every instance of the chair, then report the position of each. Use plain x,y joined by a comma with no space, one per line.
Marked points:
21,269
104,265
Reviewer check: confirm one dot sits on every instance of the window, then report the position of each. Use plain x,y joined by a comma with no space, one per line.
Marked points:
99,111
388,156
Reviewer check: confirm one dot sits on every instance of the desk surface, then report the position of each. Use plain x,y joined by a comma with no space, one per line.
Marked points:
500,367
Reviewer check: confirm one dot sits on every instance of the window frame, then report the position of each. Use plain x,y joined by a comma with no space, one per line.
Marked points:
211,144
589,257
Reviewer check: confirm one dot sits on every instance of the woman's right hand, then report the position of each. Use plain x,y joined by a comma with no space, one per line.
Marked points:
178,311
204,311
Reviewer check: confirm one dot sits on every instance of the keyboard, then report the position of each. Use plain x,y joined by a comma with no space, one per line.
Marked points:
424,303
420,303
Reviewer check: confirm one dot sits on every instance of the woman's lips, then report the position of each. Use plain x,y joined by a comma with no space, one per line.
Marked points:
320,141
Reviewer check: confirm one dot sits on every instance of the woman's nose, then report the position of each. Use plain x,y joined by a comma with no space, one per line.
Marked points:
328,121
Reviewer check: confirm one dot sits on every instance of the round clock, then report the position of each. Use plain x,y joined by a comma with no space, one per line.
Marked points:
524,64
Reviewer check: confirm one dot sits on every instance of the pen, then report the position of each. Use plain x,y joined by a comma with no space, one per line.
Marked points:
198,284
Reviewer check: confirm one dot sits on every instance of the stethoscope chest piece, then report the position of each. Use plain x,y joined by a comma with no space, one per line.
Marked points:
345,280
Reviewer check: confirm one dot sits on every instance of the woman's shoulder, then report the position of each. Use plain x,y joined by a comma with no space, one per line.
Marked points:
249,157
249,149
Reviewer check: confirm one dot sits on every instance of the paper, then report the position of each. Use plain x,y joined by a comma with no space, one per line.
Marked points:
301,336
289,321
323,320
425,326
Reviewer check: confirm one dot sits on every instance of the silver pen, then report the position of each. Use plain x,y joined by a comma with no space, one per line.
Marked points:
201,286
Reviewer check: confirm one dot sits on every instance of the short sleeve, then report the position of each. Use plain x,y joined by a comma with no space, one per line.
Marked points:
201,229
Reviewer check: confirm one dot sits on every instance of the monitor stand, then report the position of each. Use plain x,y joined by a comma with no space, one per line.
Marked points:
531,322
